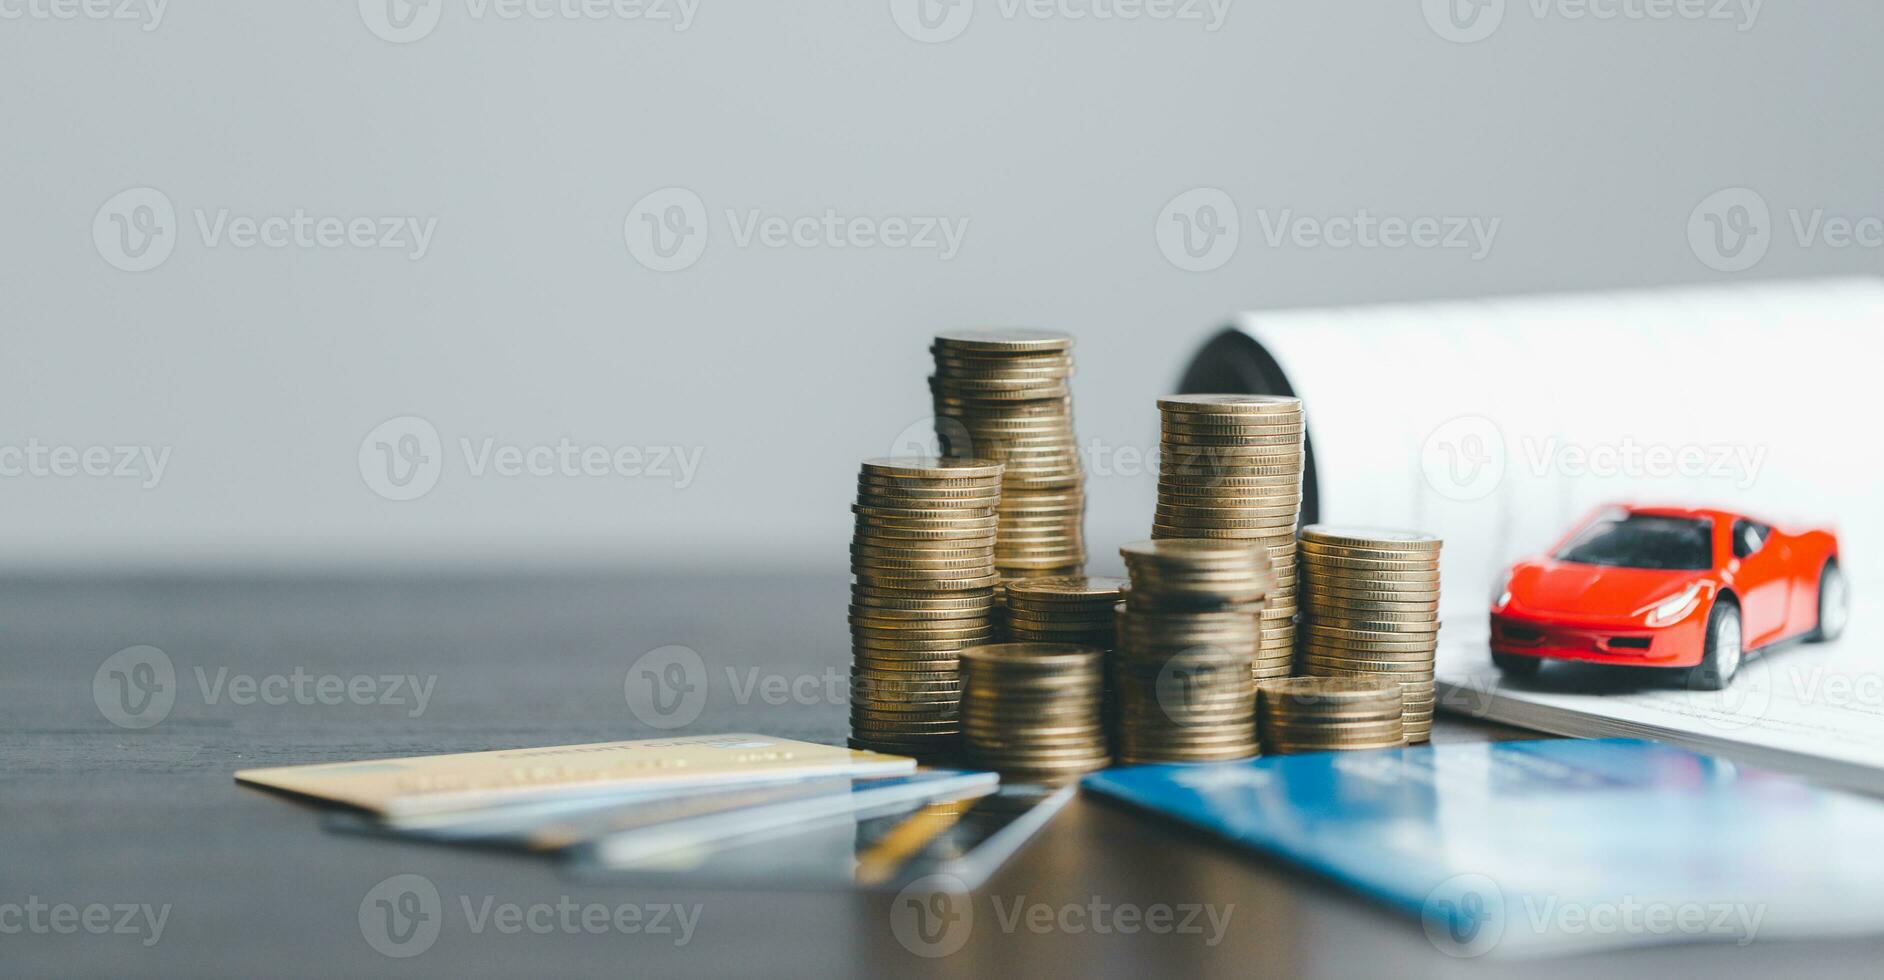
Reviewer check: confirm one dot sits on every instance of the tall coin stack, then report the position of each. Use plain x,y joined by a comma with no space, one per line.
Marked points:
923,558
1231,468
1370,608
1032,711
1004,395
1188,631
1322,714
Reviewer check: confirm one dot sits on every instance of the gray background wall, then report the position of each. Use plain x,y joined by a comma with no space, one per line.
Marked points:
1058,140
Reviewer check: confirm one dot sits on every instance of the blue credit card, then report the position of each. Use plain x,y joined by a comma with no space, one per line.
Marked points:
1548,846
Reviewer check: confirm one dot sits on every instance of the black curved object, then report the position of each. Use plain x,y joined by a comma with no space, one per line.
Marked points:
1234,363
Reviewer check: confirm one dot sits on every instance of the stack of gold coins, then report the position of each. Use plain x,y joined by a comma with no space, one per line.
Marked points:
1064,609
1320,714
1370,607
1188,632
1032,711
1004,395
923,558
1231,468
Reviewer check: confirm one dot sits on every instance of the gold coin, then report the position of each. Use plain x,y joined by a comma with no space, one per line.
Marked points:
920,749
1078,587
1229,404
917,625
928,584
1365,637
1193,553
1004,341
914,669
1408,629
879,553
951,364
939,516
1025,602
1248,530
961,498
931,467
1345,731
1202,467
1214,496
1388,593
1215,508
1205,422
1361,568
1034,655
1316,666
881,646
983,599
971,486
884,687
1177,442
1235,457
1369,579
1070,629
1324,690
1375,539
903,536
1284,479
1319,549
917,618
1378,609
887,564
1310,647
980,631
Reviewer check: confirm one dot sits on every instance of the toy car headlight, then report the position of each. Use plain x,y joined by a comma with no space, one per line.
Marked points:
1501,593
1676,607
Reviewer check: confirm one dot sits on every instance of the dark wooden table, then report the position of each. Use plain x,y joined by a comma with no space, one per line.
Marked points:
95,813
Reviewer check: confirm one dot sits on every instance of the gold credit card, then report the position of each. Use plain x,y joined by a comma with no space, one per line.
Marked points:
437,783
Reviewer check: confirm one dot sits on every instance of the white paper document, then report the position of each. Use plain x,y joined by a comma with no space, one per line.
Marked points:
1513,418
1813,709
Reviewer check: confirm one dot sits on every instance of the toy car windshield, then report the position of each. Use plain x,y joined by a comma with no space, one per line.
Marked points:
1644,541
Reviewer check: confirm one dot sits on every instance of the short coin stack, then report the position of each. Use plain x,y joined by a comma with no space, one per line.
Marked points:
1370,608
1004,395
1064,609
1032,711
1319,714
1231,469
923,558
1187,635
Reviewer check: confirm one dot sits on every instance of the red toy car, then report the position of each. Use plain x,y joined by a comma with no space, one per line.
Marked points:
1672,587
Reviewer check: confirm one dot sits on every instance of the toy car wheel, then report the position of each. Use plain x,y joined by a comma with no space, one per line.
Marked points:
1834,604
1721,659
1515,665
